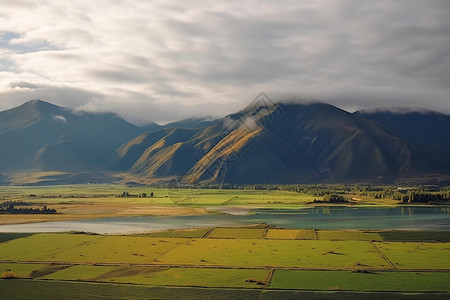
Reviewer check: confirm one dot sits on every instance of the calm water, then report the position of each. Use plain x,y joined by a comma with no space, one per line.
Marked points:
414,218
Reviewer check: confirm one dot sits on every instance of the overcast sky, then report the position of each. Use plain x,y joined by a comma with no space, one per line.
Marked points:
170,59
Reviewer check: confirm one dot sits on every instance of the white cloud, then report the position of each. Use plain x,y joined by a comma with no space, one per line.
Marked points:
60,118
164,60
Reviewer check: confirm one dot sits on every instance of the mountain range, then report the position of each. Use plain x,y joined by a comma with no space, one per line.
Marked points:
263,143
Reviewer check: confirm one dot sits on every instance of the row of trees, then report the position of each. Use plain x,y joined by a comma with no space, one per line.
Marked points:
426,197
140,195
11,209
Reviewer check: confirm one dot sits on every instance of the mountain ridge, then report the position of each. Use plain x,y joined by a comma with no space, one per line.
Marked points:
263,143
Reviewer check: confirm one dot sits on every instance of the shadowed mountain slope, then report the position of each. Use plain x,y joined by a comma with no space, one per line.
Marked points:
263,143
41,136
426,129
286,143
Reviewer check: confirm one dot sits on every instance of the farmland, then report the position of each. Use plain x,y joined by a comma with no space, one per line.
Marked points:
251,262
276,261
76,202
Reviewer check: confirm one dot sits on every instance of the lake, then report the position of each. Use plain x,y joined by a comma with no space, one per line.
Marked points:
401,218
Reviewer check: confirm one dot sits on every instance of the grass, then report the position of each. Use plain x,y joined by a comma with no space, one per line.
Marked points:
192,233
237,233
346,280
416,236
414,255
164,276
291,234
81,272
204,277
274,253
222,263
42,246
119,249
236,252
348,235
12,236
20,270
49,289
86,248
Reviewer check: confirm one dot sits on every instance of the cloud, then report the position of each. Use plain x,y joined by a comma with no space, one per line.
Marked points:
163,60
60,118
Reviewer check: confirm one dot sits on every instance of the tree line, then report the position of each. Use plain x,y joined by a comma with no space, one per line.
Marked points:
11,209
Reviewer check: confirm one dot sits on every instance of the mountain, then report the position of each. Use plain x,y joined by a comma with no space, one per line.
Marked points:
41,136
285,143
427,129
185,123
263,143
190,123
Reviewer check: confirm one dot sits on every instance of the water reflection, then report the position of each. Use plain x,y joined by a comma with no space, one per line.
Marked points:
413,218
408,210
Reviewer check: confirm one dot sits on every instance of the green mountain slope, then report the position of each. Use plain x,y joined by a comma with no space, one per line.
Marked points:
263,143
41,136
286,143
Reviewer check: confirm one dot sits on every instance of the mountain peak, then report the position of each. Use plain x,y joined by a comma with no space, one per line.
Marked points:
39,105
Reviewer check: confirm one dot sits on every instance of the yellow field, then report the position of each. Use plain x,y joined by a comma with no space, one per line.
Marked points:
291,234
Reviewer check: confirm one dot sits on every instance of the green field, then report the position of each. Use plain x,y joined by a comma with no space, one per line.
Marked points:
345,280
203,277
237,252
11,236
255,262
291,234
49,289
37,289
100,193
188,233
413,255
276,261
20,270
348,235
276,253
238,233
443,236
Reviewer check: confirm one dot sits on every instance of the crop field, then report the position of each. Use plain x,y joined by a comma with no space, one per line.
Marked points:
42,246
237,252
254,262
48,289
373,281
11,236
204,277
76,202
291,234
238,233
348,235
413,255
81,272
19,270
276,253
272,264
443,236
188,233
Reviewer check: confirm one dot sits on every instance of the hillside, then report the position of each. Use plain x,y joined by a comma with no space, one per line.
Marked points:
287,143
41,136
264,143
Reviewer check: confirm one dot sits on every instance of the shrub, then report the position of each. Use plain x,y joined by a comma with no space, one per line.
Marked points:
8,275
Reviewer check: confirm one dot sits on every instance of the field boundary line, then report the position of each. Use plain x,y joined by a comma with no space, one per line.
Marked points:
384,256
127,264
176,245
269,278
207,233
266,230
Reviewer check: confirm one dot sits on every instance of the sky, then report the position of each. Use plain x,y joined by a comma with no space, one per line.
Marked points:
166,60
